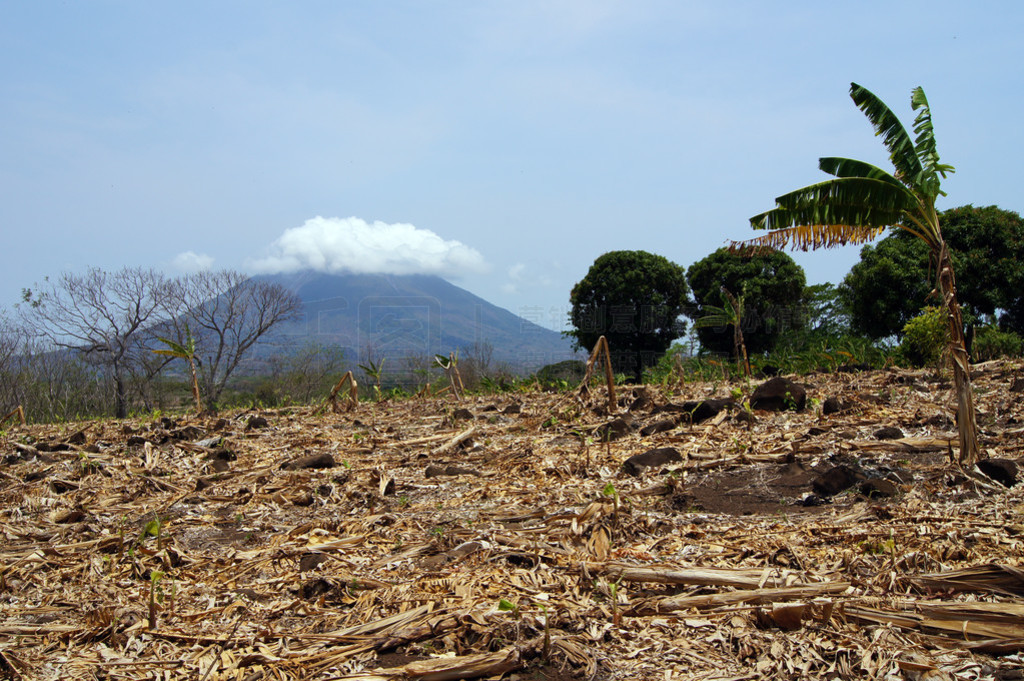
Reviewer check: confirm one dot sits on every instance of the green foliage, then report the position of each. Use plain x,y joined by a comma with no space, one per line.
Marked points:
772,285
634,299
925,337
892,282
564,374
992,343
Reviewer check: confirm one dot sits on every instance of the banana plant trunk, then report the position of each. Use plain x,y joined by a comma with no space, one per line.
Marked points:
967,424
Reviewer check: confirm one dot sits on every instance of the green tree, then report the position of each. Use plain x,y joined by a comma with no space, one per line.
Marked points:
862,200
890,284
771,283
634,299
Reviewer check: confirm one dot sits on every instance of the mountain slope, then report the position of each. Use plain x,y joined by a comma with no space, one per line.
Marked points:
411,316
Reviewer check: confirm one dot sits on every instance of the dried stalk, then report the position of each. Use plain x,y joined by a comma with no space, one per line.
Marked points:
602,344
332,399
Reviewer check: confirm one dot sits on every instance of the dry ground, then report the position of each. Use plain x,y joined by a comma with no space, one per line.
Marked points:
500,536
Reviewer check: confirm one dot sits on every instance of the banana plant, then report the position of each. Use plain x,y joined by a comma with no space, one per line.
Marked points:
374,370
186,351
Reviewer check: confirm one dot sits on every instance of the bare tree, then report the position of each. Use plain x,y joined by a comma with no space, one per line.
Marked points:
227,312
102,316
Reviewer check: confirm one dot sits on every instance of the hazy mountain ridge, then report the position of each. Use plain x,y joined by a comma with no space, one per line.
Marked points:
399,316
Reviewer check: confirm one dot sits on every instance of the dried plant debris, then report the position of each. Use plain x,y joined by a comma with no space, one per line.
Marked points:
670,534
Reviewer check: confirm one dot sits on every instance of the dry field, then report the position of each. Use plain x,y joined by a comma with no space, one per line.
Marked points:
502,536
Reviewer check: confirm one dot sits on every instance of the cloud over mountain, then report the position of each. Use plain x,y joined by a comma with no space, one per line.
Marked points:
352,245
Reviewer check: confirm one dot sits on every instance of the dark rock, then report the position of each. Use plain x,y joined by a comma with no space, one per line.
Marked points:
64,446
322,460
186,433
652,457
256,422
303,499
613,430
837,479
222,455
313,588
76,438
462,413
201,484
889,433
779,394
439,471
136,441
833,405
513,409
876,488
696,411
744,416
814,431
1003,471
1017,386
658,427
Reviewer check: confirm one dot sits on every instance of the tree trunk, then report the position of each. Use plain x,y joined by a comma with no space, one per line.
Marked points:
967,424
120,400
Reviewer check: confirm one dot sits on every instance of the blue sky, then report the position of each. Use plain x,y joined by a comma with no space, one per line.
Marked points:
504,145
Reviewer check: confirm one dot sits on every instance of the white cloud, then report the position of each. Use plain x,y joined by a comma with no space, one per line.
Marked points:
355,246
190,261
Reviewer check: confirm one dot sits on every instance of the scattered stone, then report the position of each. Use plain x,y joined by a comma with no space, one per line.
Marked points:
812,499
302,499
889,433
876,488
256,422
837,479
833,405
76,438
613,430
313,588
658,427
64,446
1003,471
186,433
696,411
440,471
744,416
222,455
652,457
779,394
322,460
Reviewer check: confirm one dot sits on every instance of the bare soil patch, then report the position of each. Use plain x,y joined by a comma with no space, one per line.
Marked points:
502,536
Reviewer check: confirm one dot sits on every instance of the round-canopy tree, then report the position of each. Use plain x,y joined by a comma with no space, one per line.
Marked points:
634,299
891,283
772,286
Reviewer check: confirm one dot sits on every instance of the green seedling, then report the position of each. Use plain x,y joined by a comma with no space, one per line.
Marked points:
154,578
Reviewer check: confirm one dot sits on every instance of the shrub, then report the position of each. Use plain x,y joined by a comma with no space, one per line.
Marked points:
991,342
925,337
